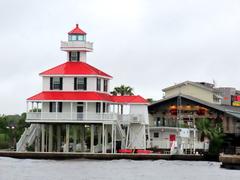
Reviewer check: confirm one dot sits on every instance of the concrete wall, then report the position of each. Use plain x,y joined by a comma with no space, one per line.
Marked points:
191,90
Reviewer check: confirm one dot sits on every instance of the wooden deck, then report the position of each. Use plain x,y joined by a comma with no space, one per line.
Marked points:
230,161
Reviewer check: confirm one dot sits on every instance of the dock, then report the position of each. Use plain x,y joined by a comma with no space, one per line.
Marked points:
230,161
98,156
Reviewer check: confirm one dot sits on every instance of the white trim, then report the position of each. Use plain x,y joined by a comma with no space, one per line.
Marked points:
75,75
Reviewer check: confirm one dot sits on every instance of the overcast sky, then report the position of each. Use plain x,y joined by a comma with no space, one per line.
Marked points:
146,44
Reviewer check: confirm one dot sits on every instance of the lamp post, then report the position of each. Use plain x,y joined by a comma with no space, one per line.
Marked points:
11,128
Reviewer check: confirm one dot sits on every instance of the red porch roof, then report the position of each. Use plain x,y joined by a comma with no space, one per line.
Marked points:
75,68
85,96
77,31
129,99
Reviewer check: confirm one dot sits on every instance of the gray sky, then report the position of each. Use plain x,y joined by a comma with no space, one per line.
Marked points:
147,44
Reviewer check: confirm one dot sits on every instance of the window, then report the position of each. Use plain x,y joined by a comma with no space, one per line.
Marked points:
98,84
74,56
81,37
80,83
156,135
53,106
76,37
98,107
56,83
105,85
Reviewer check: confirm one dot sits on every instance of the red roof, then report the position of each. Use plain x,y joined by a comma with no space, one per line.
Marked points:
77,31
129,99
75,68
85,96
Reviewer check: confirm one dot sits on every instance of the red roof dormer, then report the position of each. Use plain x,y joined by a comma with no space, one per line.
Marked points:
77,31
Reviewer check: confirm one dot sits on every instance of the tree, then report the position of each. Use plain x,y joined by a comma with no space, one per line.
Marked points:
122,91
214,132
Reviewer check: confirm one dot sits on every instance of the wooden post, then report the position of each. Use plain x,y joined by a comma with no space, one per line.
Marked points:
43,137
59,138
50,138
92,139
67,138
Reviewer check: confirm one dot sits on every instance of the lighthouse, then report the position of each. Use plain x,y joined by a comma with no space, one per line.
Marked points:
77,46
75,111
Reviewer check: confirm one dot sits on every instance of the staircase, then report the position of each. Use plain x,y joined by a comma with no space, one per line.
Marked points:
121,134
28,137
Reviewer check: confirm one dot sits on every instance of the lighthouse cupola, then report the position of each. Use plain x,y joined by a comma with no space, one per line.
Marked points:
76,46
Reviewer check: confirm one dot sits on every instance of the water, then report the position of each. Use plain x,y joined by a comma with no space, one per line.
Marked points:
27,169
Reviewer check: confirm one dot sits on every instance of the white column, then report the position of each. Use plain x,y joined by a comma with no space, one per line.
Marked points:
74,138
101,109
115,138
37,106
86,111
58,138
71,104
106,139
43,137
103,141
50,138
99,135
67,138
56,109
92,139
112,139
82,138
32,106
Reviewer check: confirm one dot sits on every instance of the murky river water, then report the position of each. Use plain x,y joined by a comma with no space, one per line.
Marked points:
18,169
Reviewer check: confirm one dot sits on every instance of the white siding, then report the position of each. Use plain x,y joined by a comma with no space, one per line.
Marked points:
46,83
91,83
68,83
140,109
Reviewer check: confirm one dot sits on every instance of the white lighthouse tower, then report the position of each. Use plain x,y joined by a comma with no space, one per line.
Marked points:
76,112
76,46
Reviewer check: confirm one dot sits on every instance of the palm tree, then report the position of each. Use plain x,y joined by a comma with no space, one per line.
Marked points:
122,91
204,126
211,131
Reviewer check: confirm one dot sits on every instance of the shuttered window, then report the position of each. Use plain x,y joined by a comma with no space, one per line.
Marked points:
56,83
80,83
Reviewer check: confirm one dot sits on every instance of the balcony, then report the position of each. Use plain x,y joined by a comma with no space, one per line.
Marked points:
76,45
69,117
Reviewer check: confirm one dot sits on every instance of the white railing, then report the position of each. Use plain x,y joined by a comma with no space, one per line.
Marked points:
165,144
76,44
31,116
